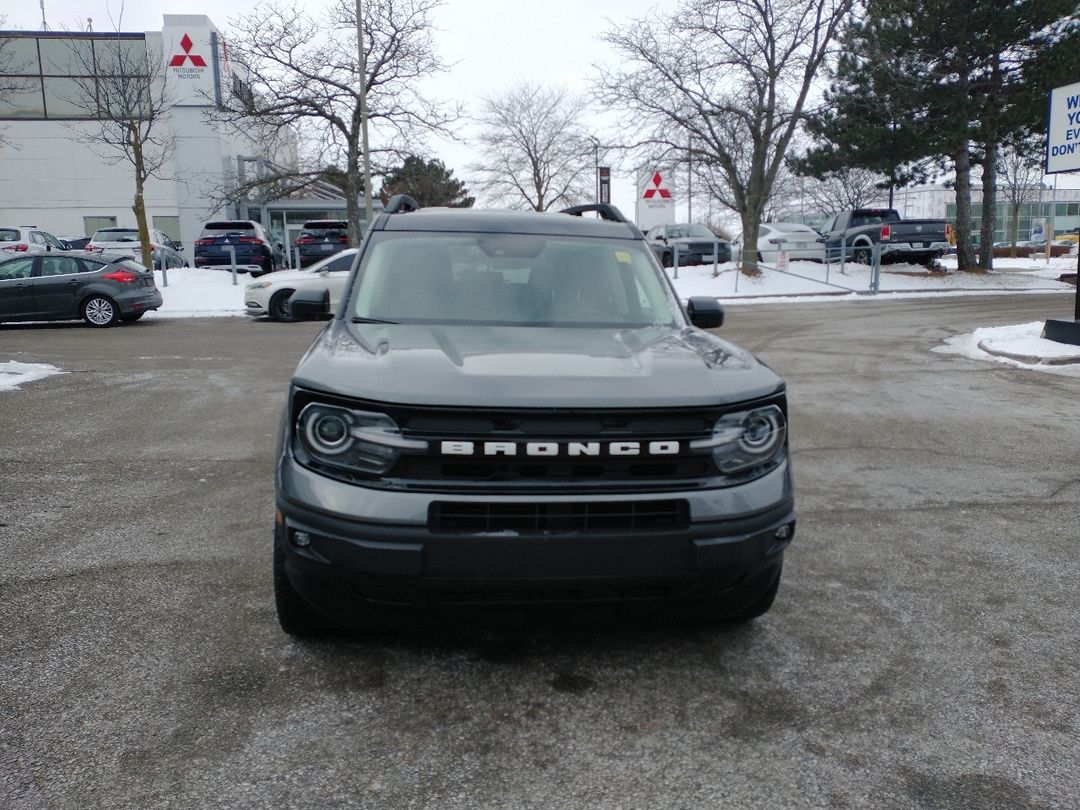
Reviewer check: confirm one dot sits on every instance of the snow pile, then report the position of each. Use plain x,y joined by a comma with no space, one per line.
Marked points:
1021,345
13,374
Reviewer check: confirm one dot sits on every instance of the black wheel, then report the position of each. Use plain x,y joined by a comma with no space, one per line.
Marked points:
134,316
100,311
279,306
862,255
667,260
760,606
296,616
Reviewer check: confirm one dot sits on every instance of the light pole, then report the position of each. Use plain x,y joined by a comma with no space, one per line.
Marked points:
365,147
596,167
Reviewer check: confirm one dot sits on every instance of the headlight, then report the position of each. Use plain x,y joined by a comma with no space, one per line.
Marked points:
746,440
258,285
348,440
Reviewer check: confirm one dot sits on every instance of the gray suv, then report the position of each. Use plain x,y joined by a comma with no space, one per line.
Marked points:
511,412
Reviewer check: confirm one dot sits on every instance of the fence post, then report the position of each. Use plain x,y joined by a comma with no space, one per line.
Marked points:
675,259
164,272
843,254
716,257
296,256
232,262
875,276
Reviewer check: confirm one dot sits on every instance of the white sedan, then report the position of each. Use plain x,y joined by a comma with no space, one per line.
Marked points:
270,294
801,242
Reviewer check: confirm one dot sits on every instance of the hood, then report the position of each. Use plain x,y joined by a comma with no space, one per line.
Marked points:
286,276
537,367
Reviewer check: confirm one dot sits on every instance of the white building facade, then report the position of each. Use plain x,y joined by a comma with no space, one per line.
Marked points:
53,176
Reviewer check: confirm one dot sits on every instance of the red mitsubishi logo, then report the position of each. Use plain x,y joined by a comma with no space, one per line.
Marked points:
656,188
179,59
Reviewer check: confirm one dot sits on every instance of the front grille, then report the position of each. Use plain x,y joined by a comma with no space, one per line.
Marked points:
433,470
558,518
521,426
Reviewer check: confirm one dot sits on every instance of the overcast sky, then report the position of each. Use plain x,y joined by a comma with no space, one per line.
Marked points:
491,43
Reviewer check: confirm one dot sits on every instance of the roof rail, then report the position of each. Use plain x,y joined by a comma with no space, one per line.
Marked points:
606,211
400,204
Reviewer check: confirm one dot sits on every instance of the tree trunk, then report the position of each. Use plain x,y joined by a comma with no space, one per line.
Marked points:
748,261
139,206
989,207
965,254
354,187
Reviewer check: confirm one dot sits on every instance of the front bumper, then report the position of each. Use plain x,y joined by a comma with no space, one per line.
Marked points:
365,554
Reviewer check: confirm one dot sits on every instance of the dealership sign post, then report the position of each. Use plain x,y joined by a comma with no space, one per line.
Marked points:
1063,155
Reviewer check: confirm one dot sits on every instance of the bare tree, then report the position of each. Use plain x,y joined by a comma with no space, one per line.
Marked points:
304,73
10,83
122,93
844,189
1020,172
535,151
730,76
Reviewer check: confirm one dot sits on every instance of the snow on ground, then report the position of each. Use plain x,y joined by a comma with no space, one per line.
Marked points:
13,374
200,293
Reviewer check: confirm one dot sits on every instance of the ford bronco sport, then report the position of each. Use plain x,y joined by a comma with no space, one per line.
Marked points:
512,411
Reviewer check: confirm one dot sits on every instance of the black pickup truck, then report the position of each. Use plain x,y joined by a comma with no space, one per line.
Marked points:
917,241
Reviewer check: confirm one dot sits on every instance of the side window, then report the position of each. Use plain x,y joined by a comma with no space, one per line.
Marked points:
52,240
58,266
37,237
341,263
17,268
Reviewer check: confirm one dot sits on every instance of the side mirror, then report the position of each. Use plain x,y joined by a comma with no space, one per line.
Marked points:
704,312
310,305
178,245
324,271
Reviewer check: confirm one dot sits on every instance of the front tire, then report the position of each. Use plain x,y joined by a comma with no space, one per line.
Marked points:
100,311
279,306
295,615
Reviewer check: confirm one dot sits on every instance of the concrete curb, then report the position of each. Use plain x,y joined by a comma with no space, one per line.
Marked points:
1031,359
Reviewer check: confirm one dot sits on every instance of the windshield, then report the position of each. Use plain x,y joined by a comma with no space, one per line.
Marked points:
509,279
116,236
228,229
693,231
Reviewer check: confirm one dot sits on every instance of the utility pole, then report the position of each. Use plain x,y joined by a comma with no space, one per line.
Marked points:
365,146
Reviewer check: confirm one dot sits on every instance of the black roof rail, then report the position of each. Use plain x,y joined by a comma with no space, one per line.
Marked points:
400,204
605,210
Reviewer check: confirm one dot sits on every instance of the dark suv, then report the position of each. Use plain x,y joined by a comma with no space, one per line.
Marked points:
512,412
321,238
688,244
254,249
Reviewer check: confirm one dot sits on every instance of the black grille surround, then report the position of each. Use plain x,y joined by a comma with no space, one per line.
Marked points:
432,471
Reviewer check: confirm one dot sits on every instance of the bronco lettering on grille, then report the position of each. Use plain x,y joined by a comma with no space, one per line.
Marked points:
461,448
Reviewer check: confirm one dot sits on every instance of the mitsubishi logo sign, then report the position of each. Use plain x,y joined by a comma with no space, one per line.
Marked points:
179,59
656,187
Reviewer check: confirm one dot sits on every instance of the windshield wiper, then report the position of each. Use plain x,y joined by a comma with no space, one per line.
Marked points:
370,320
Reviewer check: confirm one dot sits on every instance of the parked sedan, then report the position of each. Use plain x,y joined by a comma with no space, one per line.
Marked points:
801,242
63,286
125,242
270,295
692,243
321,238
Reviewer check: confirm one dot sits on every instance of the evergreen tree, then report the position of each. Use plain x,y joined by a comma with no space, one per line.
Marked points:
929,79
428,182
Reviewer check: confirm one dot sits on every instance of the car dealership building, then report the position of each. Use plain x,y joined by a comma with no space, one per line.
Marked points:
54,176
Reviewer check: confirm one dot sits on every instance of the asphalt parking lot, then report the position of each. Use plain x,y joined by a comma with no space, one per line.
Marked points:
923,651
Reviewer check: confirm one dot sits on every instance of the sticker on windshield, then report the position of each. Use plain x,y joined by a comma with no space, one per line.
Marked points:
622,257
